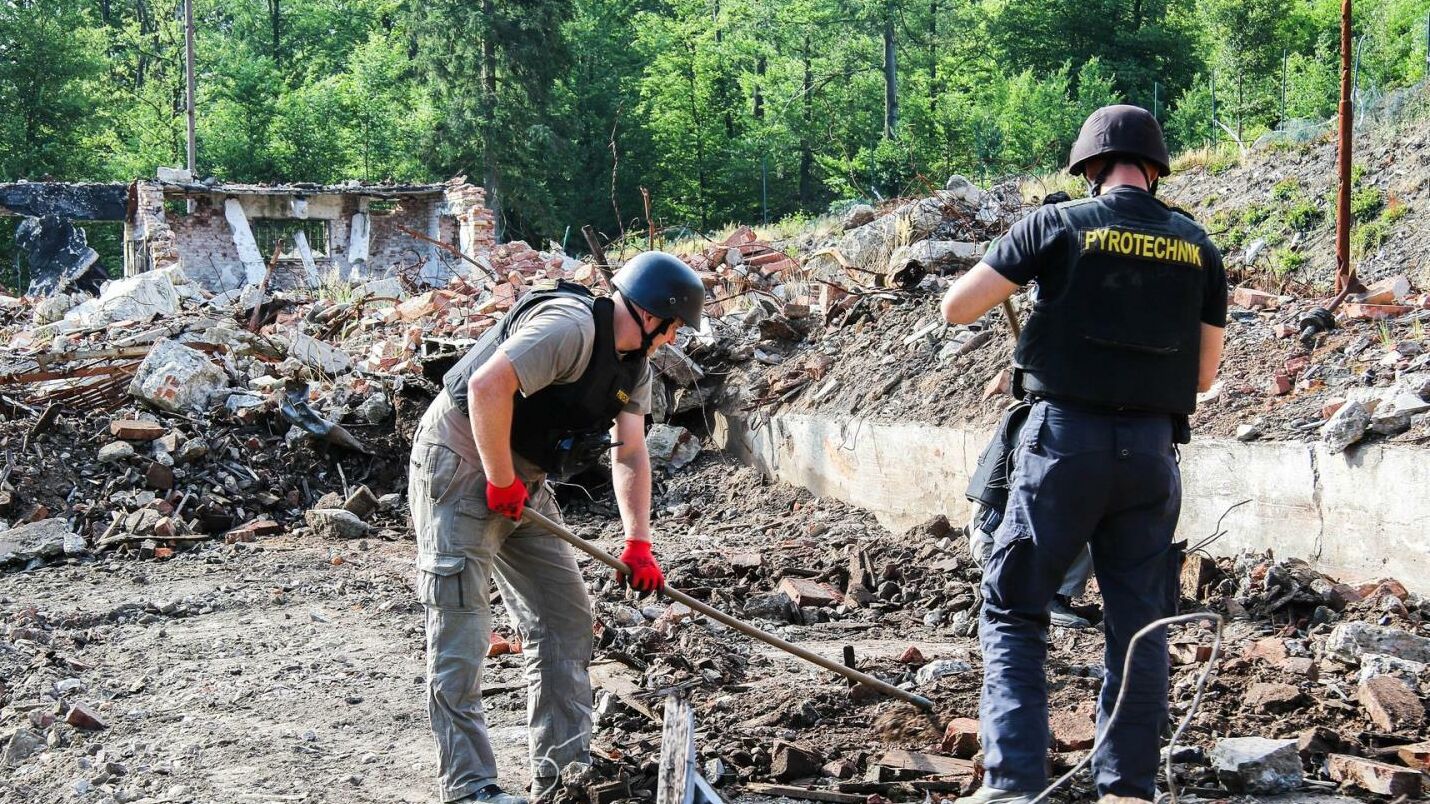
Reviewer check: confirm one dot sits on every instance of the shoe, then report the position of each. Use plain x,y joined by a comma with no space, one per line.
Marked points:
491,794
992,795
1063,616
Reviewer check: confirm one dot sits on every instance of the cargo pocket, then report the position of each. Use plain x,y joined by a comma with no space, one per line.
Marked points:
1010,569
442,581
439,466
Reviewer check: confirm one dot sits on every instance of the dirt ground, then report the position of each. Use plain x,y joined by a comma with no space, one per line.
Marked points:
291,669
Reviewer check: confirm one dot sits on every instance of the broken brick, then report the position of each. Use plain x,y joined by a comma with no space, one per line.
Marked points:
805,592
792,762
1318,741
1375,777
1272,697
1270,650
158,476
912,655
1392,706
136,430
1416,755
1385,291
161,553
960,737
1279,384
746,562
1000,385
500,646
1374,312
1184,653
1253,299
1197,574
1329,409
1072,731
1301,666
81,716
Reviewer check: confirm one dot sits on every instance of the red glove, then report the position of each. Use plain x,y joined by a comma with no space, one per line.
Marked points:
645,573
507,501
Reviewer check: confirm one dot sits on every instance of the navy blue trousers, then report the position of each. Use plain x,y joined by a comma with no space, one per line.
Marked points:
1080,478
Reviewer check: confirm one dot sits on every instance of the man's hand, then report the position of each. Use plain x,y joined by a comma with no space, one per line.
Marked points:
508,501
645,573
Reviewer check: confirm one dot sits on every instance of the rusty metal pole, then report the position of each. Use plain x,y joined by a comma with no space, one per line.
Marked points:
1343,155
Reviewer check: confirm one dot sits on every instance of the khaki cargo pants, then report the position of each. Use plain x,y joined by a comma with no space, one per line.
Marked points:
461,549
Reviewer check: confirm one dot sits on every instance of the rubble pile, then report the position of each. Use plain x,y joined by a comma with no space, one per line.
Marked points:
1331,669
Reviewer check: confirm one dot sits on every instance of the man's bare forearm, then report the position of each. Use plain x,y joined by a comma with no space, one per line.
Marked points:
490,399
630,477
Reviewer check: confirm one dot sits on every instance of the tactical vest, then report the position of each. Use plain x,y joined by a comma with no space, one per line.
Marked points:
552,424
1125,332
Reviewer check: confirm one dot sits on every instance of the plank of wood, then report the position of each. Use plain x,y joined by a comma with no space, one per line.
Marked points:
925,763
803,793
619,680
675,777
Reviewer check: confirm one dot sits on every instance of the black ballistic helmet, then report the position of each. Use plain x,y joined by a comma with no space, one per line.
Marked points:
663,286
1124,130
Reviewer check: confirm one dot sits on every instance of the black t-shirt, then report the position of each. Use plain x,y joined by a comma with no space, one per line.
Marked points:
1036,249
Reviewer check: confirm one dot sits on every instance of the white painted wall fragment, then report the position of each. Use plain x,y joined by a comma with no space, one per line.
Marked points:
310,268
253,265
358,235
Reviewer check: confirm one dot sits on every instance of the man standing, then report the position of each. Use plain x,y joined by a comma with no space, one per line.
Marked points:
1126,328
563,378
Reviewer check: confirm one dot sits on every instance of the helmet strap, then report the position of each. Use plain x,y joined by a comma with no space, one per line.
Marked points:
647,338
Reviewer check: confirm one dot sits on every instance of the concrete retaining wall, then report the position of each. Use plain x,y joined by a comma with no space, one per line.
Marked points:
1359,515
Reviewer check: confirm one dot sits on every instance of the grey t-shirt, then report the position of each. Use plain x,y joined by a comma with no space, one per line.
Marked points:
549,345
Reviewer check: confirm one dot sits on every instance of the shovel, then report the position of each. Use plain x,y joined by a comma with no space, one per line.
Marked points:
535,517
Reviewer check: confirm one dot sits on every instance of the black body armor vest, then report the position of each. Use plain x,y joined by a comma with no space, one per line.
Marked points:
1125,332
562,428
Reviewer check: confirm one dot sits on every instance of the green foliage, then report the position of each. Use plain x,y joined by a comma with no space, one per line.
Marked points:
1395,209
1366,238
1366,202
744,110
1284,261
1286,189
1303,215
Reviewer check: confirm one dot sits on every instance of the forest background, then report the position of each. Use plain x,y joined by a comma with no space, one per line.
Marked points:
723,110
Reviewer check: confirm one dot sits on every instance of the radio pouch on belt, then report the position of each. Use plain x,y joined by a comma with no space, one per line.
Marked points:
988,487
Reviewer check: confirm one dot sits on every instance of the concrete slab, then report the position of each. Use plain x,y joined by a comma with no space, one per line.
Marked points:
1357,515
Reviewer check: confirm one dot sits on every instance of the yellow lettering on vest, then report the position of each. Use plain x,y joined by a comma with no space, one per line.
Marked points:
1159,250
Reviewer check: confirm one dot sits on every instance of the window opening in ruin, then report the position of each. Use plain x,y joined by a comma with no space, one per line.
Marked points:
268,231
384,207
176,207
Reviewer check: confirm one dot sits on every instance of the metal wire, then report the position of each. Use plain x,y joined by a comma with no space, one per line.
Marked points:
1122,691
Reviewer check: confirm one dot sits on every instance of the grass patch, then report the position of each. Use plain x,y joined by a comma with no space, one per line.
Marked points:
1366,202
1213,159
1395,209
1368,238
1286,189
1303,215
1284,261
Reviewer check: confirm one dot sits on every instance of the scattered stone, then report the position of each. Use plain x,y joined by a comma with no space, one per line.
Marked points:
941,668
912,655
41,540
1379,664
804,592
83,717
177,378
1392,706
1253,299
671,447
1376,777
1416,755
317,354
1072,731
857,216
1273,697
1345,427
1349,641
115,451
960,737
23,744
361,502
772,606
1248,432
1257,765
136,429
335,523
790,761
